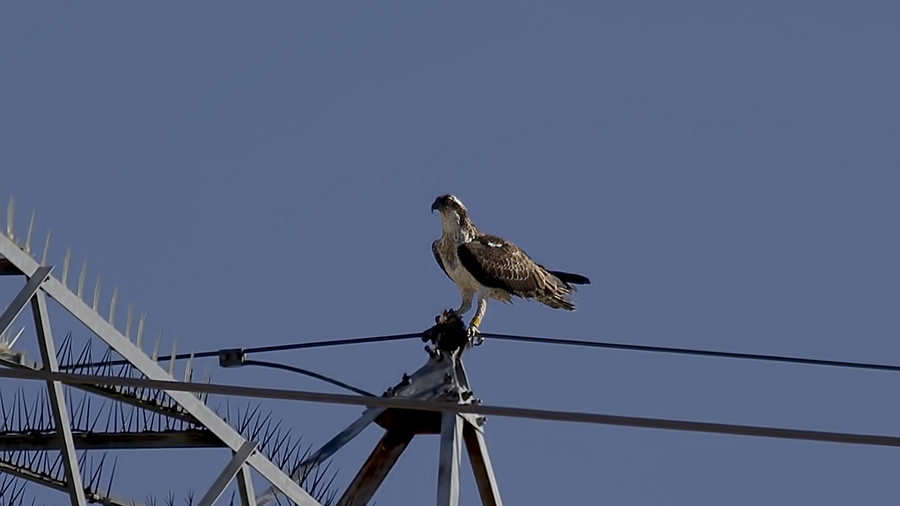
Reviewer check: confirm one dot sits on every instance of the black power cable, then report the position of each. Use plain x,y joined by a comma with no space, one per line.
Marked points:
689,351
261,349
311,374
528,339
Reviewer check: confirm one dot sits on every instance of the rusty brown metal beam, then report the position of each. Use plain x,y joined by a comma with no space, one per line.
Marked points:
377,466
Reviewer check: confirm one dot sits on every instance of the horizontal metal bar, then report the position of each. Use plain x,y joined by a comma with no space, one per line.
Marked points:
192,438
19,361
534,414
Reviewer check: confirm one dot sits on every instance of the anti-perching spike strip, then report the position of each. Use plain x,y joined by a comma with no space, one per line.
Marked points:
12,490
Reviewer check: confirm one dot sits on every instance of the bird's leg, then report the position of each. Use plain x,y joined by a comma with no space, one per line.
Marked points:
466,304
476,320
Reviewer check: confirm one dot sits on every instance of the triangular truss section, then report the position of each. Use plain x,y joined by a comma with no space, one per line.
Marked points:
442,379
57,421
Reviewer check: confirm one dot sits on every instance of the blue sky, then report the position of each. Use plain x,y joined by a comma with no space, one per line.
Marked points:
725,173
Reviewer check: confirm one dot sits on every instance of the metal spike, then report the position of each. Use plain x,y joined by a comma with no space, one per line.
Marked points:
155,355
81,280
97,294
12,342
128,318
10,217
172,356
30,232
140,332
189,368
113,303
206,379
46,248
66,262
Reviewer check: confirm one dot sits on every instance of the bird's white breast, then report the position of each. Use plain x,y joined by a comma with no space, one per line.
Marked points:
456,271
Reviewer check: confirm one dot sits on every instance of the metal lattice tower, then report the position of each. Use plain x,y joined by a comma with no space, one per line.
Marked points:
57,421
45,425
442,379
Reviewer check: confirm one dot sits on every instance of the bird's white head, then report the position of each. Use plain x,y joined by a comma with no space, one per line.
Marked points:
454,217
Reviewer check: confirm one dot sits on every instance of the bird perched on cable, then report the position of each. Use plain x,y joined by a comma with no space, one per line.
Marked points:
487,266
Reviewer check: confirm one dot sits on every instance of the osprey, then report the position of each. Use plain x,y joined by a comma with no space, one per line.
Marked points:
491,267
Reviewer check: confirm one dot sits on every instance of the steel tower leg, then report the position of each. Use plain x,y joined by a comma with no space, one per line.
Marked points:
481,465
380,462
448,468
245,487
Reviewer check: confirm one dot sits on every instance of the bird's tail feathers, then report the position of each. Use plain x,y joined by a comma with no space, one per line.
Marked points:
558,302
569,278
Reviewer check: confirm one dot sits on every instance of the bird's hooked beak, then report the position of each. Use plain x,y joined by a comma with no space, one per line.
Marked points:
436,205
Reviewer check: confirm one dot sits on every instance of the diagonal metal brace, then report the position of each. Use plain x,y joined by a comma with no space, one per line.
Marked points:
234,465
377,466
327,450
21,300
74,483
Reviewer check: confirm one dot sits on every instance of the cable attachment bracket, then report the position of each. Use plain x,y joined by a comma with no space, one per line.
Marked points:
232,357
449,334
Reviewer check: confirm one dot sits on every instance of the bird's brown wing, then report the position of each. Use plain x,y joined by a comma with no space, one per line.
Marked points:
497,263
437,256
